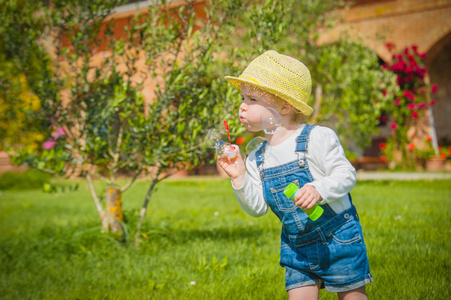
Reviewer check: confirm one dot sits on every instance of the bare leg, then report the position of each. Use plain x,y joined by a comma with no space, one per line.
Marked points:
357,294
309,292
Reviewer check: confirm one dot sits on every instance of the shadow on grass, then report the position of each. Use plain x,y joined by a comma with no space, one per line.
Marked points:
216,234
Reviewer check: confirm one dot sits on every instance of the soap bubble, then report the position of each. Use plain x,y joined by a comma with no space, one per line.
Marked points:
270,120
220,147
254,144
213,137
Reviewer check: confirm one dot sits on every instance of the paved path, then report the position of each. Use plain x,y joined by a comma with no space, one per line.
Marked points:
402,175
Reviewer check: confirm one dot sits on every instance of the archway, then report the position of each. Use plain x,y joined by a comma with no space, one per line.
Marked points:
439,65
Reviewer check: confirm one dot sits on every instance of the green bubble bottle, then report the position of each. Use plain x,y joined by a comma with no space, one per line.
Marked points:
313,213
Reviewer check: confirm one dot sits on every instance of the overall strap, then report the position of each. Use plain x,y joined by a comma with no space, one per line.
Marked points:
302,144
259,155
303,138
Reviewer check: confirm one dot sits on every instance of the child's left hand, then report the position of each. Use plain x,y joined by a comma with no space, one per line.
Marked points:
307,197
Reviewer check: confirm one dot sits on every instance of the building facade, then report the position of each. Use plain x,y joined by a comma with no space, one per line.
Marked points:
424,23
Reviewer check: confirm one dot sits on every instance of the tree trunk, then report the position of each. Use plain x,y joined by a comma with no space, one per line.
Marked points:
114,214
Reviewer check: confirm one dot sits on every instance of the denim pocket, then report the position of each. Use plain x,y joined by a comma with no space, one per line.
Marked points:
347,234
283,203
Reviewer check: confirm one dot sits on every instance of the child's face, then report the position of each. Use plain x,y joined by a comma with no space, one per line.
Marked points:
254,104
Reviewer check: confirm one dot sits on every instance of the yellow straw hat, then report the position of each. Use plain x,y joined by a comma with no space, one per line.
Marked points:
280,75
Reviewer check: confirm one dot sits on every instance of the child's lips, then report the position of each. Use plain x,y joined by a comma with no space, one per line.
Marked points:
242,119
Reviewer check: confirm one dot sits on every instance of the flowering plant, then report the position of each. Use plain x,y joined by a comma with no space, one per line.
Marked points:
424,153
444,152
407,113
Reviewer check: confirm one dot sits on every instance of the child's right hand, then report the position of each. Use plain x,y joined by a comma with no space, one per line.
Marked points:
235,168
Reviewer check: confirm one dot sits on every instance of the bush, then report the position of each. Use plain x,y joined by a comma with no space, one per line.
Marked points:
30,179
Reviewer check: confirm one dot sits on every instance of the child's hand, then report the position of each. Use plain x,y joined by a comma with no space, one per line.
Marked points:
307,197
235,168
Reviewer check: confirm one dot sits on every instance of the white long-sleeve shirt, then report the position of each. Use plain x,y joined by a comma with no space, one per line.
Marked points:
333,174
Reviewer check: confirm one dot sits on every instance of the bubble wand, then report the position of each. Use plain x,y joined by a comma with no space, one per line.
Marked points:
228,134
230,150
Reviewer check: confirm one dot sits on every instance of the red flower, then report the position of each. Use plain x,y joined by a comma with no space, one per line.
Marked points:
390,46
409,95
239,140
411,106
414,115
393,126
434,88
383,118
423,90
432,103
411,146
384,92
382,146
428,138
422,105
397,101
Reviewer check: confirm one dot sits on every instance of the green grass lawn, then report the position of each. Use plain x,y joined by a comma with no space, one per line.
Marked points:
51,246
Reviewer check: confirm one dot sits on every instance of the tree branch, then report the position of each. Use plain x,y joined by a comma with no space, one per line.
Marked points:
130,183
97,203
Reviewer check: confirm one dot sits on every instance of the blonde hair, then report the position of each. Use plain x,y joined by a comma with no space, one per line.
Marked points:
268,97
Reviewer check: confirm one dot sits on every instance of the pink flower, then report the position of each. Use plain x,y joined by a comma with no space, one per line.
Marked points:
397,101
47,145
423,90
432,103
60,131
434,88
411,106
393,126
384,92
422,105
414,115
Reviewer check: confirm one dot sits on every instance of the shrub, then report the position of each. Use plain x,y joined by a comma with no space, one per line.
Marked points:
30,179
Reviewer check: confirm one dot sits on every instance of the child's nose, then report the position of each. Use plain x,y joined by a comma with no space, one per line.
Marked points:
243,106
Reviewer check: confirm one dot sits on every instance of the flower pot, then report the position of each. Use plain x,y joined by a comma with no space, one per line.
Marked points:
435,164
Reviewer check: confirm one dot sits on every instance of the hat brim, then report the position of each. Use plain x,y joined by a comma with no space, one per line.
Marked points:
302,107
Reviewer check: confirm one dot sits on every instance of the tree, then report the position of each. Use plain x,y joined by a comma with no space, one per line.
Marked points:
351,91
98,124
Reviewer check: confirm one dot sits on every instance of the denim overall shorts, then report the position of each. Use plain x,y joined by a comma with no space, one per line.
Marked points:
329,251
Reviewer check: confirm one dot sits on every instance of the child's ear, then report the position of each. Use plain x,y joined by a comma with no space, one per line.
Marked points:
286,108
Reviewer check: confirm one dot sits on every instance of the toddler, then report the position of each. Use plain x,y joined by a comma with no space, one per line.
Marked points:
328,252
